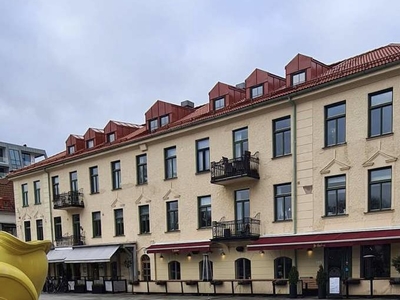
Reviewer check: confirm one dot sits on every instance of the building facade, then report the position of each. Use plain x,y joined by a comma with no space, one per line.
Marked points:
13,157
227,196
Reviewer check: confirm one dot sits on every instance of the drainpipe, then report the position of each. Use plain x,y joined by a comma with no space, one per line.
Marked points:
294,179
134,264
50,208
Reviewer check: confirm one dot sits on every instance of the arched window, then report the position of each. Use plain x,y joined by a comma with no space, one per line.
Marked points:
174,270
146,274
205,270
242,268
283,265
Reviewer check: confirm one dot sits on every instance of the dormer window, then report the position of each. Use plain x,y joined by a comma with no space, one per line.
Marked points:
111,137
257,91
71,149
298,78
90,144
219,103
153,124
164,120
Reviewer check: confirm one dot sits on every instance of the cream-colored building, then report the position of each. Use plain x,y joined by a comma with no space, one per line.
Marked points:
271,173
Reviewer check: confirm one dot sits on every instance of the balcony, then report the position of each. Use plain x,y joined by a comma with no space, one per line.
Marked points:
245,229
230,171
3,161
70,240
69,200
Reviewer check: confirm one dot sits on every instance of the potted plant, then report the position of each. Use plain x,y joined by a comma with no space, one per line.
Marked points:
322,278
293,279
396,265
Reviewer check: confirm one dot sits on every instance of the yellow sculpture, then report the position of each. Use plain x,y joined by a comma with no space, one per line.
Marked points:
23,267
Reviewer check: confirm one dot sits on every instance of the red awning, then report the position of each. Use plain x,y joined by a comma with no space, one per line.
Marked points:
336,239
202,246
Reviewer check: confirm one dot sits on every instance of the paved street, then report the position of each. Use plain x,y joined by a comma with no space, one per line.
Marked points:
139,297
45,296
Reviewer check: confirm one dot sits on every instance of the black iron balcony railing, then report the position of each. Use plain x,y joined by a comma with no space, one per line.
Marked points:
71,199
246,228
245,166
70,240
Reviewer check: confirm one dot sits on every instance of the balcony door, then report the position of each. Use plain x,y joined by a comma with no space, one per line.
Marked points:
240,142
76,229
242,212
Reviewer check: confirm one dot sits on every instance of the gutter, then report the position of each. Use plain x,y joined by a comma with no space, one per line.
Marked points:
233,112
50,208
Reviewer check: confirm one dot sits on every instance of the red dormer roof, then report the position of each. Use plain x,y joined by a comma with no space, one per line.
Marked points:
75,141
95,134
348,68
120,129
312,67
269,81
161,108
230,93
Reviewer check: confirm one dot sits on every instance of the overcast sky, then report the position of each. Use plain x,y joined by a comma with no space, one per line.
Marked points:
69,65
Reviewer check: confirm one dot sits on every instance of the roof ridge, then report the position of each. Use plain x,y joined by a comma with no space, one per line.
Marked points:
366,53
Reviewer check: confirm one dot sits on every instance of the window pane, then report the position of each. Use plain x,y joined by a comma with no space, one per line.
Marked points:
331,209
279,209
278,144
283,189
386,195
205,201
336,110
287,142
242,195
387,119
241,135
375,122
383,174
207,160
341,194
200,161
381,98
331,132
203,144
171,152
337,181
375,197
282,124
341,128
288,208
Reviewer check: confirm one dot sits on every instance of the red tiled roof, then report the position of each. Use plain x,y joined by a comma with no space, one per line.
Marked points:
352,66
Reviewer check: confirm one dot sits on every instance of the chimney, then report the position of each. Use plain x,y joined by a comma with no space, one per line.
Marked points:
187,103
